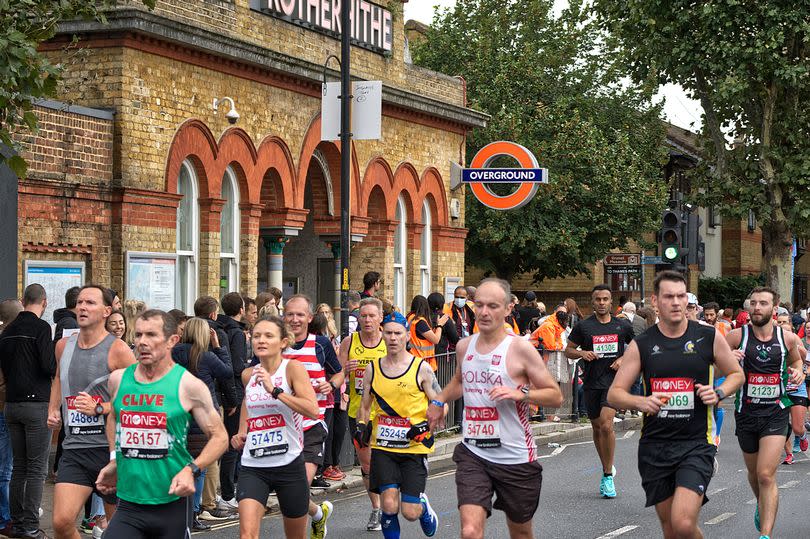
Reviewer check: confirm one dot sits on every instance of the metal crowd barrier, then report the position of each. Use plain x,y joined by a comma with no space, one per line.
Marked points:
446,369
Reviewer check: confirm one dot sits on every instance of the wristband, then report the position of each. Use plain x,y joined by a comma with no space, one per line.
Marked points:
720,394
112,455
438,403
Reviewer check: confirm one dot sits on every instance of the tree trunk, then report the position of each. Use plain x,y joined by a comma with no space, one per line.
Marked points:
777,241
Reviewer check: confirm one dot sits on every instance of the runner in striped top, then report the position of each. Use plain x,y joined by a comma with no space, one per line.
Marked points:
499,376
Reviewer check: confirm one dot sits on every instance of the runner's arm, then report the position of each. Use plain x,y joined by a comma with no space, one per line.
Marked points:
428,382
796,360
452,391
726,360
619,396
332,366
733,338
120,357
302,399
55,401
364,412
207,417
343,352
112,385
543,389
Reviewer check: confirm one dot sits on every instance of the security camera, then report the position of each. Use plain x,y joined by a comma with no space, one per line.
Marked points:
232,116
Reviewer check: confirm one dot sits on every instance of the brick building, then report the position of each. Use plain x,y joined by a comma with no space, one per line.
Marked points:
138,178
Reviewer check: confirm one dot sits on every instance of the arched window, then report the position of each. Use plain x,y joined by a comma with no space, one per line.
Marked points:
427,250
188,238
400,252
229,235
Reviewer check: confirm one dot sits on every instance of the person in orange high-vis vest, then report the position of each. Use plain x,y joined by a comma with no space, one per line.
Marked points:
422,338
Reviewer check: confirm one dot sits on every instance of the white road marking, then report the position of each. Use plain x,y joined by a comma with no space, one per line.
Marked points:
717,491
789,484
751,502
720,518
616,533
628,434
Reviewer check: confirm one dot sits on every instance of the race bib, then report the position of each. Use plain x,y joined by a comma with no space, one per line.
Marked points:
143,435
266,436
606,345
763,387
481,427
393,432
81,424
681,393
358,380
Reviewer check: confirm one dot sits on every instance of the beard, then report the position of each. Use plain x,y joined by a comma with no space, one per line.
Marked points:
760,320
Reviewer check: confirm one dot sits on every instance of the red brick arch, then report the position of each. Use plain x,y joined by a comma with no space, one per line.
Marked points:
311,141
193,141
406,181
235,147
432,189
378,174
275,154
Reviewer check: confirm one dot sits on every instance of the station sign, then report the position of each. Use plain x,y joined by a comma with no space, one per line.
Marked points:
527,178
371,25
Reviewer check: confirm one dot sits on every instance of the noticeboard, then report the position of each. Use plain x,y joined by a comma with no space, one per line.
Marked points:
152,278
450,285
56,277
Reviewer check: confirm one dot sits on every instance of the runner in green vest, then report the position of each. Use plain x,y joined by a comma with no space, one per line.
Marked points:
150,467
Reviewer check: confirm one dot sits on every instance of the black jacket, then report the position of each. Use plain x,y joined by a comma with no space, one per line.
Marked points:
27,359
237,347
64,319
212,367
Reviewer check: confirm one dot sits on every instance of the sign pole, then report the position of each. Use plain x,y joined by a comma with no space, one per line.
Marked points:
641,257
345,162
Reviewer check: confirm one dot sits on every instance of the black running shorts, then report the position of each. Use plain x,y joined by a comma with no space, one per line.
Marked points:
408,471
595,400
664,466
166,521
82,466
517,486
751,428
289,482
313,444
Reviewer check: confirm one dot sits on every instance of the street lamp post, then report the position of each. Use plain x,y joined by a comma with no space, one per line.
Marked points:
345,162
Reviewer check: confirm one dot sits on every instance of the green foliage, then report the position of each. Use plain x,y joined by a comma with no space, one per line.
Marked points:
747,63
728,291
548,84
25,74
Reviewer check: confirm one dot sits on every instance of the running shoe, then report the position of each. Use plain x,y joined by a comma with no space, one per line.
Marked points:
764,537
429,520
756,518
319,482
374,521
333,473
796,447
199,526
87,525
218,513
788,459
606,488
804,442
231,504
98,532
318,530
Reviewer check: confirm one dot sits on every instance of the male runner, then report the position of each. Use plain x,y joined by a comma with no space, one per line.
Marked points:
400,386
770,359
498,454
676,358
84,363
150,468
798,399
600,341
318,356
710,311
355,354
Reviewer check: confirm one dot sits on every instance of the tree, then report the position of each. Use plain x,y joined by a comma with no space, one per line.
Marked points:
25,74
747,63
546,85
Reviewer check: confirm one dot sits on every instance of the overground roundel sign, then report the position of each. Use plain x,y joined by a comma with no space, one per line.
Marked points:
528,177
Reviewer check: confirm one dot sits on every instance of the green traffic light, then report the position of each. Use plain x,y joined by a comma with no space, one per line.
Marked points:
671,253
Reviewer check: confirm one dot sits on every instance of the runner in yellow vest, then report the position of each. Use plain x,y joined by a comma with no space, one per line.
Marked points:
355,354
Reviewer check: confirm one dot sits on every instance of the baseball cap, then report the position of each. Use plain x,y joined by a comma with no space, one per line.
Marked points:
397,318
530,296
691,298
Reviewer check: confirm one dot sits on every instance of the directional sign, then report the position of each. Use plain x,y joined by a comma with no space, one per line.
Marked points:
652,260
622,259
612,270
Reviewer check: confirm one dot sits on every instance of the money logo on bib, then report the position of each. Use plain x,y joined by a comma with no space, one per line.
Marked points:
79,423
481,427
681,393
606,344
266,436
144,435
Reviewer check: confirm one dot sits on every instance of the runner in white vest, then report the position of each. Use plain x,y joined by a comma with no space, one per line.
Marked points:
499,376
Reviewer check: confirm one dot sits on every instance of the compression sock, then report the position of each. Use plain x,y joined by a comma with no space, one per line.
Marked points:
318,515
607,474
390,525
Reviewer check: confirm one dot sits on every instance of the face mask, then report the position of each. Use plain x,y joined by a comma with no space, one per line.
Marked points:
562,317
460,302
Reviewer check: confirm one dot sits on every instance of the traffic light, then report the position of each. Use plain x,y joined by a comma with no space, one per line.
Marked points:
671,241
694,240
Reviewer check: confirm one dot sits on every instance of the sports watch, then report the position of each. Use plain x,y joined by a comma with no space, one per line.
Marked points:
525,391
195,470
99,409
276,392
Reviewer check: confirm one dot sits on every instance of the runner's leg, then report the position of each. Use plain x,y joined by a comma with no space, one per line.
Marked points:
473,518
364,455
751,467
770,452
519,531
250,519
604,438
664,511
71,498
684,513
389,499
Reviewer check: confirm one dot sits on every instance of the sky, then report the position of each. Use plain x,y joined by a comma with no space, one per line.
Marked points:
678,108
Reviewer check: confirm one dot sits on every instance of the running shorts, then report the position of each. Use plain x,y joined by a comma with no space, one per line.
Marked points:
664,466
166,521
288,481
313,444
595,400
516,486
751,428
798,400
82,466
407,471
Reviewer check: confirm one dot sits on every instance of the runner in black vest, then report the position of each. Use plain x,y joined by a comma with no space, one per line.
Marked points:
770,357
677,360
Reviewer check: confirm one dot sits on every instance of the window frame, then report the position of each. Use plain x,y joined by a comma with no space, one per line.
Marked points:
426,252
186,258
401,267
232,257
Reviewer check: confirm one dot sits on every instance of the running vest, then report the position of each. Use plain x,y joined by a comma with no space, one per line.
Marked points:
150,436
673,367
421,348
495,431
401,404
766,373
363,355
275,432
317,375
88,371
